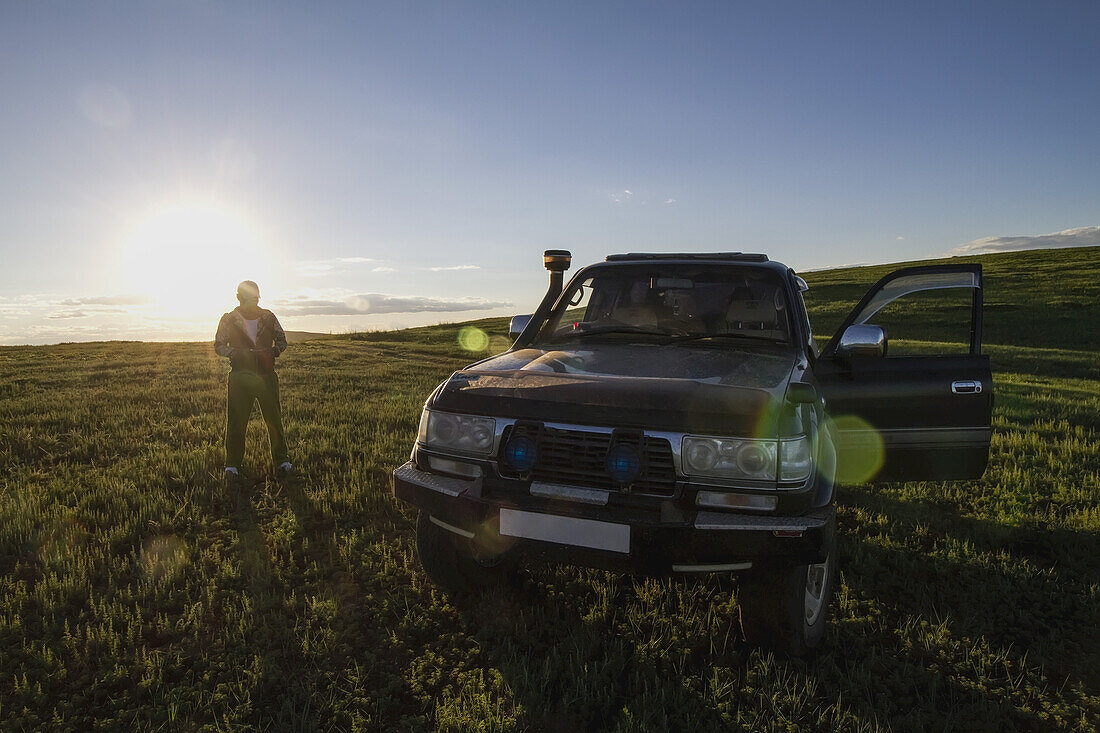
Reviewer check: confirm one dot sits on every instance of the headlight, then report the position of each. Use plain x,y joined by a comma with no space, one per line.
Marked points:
736,458
729,458
796,460
461,433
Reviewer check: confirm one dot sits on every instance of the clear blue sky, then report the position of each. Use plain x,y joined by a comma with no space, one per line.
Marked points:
153,154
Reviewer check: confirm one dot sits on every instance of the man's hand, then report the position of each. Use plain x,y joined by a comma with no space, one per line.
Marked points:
265,359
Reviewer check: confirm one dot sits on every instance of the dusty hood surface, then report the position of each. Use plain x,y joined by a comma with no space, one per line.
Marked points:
722,391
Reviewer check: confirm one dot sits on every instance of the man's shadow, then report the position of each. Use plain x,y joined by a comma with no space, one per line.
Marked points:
311,623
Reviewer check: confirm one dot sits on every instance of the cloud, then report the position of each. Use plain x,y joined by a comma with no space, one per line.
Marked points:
620,197
383,268
899,238
454,267
80,313
315,269
670,201
1079,237
826,268
109,300
376,303
319,268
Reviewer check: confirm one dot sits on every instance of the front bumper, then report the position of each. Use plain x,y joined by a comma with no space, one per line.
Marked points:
660,542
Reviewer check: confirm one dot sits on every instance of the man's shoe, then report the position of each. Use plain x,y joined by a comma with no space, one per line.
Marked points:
282,473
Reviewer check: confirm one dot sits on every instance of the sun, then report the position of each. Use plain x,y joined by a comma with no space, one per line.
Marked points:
188,256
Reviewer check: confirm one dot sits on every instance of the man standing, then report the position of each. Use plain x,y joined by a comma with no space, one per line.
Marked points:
251,338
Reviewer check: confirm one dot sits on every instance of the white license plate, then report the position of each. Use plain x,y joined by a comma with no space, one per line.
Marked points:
566,530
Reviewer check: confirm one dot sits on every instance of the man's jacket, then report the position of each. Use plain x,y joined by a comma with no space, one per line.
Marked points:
232,341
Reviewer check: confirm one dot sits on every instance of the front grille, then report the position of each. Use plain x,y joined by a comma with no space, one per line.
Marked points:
577,458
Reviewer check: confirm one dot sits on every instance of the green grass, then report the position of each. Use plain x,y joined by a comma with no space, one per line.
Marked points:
133,595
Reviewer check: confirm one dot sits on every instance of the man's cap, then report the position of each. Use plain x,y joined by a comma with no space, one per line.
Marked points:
248,289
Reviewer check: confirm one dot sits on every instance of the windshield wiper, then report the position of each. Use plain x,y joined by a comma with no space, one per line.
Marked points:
636,330
730,335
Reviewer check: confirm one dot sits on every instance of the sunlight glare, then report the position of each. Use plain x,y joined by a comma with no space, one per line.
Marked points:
189,256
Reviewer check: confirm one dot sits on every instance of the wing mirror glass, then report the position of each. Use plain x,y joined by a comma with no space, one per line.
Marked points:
862,340
516,326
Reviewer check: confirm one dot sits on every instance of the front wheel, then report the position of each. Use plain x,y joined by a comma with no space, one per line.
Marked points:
787,609
453,563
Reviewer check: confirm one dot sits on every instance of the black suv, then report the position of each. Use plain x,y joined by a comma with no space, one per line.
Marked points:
670,413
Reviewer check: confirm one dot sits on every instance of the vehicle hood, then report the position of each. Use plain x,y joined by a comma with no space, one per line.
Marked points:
720,391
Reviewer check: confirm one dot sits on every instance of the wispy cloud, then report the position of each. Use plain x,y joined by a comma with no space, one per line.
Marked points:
454,267
319,268
383,268
621,197
68,314
376,303
1079,237
108,300
670,201
315,268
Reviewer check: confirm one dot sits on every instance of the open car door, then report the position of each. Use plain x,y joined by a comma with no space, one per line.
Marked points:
923,412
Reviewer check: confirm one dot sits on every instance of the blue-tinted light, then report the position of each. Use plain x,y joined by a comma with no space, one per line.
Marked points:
623,463
520,453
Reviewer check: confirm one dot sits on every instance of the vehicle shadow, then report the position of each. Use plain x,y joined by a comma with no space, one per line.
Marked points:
577,650
924,635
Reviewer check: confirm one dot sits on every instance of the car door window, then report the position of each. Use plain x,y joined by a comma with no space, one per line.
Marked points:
917,282
924,311
927,323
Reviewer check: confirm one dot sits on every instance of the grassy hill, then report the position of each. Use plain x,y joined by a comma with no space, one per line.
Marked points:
297,337
134,594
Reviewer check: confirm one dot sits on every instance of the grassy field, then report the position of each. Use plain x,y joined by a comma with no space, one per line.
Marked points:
135,595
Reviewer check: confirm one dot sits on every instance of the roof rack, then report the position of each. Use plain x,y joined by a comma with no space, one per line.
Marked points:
738,256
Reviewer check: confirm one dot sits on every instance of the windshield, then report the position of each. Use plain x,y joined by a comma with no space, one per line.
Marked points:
673,303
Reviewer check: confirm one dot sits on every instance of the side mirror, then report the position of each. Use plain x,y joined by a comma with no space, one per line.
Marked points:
861,340
801,393
518,323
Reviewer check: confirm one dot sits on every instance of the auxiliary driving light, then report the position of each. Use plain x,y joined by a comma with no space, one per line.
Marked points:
623,464
520,454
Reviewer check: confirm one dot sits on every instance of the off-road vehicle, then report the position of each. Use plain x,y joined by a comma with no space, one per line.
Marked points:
671,413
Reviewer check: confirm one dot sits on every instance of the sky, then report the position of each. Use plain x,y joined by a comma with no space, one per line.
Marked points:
380,165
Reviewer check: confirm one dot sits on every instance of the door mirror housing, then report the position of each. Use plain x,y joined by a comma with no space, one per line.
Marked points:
516,326
801,393
862,340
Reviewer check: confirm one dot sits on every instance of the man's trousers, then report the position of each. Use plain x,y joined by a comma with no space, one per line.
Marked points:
246,387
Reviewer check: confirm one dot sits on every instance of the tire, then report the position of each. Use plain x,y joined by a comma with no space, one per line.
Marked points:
453,563
787,608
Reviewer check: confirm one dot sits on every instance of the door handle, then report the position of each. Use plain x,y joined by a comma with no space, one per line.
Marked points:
966,386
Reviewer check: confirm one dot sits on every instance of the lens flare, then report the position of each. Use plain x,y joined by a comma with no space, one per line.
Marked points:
488,543
163,557
861,452
473,339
